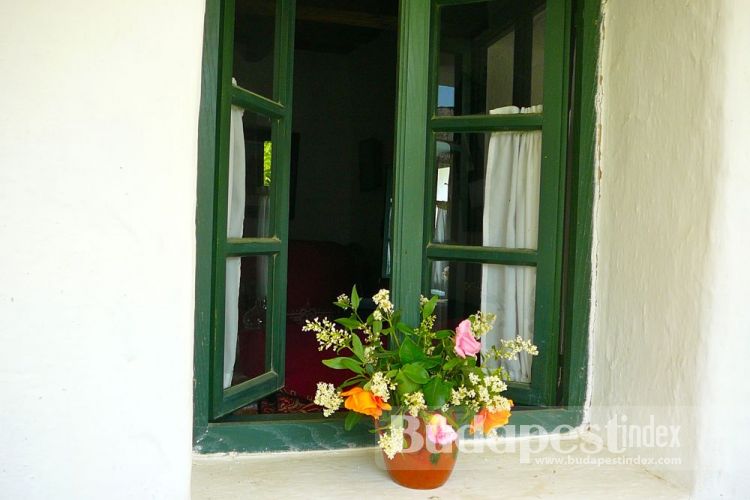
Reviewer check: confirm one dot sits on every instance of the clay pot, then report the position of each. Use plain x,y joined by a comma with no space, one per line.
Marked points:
428,466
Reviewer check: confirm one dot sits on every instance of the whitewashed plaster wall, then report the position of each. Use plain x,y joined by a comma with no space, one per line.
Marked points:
98,136
671,322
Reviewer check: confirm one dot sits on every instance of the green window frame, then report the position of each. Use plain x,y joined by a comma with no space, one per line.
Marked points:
558,382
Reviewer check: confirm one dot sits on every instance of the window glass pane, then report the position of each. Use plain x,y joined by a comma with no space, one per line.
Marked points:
491,56
250,175
506,291
254,39
487,189
246,319
537,57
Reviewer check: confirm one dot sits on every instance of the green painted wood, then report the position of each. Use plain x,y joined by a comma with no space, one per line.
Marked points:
544,374
578,299
237,396
220,208
410,156
252,246
273,435
306,434
204,220
457,2
486,123
489,255
257,103
284,85
428,224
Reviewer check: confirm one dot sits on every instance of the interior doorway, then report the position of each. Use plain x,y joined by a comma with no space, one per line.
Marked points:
343,120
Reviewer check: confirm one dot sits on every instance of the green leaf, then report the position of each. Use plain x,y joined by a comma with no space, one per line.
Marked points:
452,364
416,373
377,326
396,317
351,420
437,392
434,458
404,385
344,364
351,381
351,324
357,348
444,334
431,362
429,307
355,298
410,351
404,328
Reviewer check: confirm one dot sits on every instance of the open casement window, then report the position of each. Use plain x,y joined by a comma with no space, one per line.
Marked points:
495,156
252,204
483,211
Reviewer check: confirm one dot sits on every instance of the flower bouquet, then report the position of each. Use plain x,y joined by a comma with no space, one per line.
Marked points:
420,385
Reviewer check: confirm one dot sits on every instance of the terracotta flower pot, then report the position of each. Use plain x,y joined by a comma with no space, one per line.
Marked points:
428,466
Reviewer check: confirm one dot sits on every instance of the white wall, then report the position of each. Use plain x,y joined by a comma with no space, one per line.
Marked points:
98,138
724,439
671,323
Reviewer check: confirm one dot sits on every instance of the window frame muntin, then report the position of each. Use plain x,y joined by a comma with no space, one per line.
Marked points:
213,437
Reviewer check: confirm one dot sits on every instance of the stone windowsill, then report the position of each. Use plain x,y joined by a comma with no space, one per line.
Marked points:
359,473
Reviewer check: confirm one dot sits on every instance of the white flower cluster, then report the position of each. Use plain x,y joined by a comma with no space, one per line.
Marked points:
383,301
344,300
370,354
392,441
328,335
481,323
379,385
423,300
370,336
463,396
415,402
510,349
485,392
488,391
499,403
328,397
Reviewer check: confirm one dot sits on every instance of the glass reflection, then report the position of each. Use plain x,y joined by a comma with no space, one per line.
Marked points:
506,291
491,56
245,320
250,175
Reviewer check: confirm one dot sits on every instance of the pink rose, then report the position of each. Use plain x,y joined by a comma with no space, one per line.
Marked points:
466,344
439,431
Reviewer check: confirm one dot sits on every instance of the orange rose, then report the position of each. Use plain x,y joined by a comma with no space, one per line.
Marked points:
487,420
362,401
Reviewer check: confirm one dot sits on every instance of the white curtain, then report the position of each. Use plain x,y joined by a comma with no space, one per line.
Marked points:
235,222
511,220
439,268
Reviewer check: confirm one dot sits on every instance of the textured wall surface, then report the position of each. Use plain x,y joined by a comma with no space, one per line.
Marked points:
97,207
669,330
